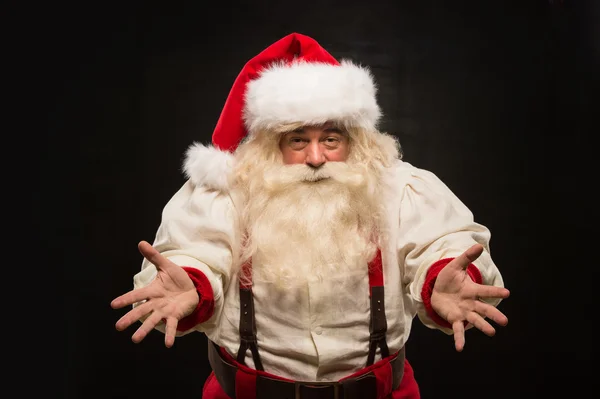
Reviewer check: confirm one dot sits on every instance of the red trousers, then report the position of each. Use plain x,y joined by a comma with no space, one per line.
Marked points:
408,388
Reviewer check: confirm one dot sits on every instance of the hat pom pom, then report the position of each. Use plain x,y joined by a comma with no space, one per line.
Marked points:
208,166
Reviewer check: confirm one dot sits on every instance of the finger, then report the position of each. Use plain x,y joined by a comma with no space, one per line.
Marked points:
170,331
481,324
491,312
148,325
133,315
489,291
150,253
132,297
469,256
459,335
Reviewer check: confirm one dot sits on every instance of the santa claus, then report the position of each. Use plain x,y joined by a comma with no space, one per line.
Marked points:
303,246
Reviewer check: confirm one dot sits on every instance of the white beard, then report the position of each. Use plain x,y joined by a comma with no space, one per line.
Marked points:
307,225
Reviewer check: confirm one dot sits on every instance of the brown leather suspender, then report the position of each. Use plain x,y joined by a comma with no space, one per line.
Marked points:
378,322
247,320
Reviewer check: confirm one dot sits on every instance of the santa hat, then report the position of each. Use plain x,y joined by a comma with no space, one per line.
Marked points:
293,80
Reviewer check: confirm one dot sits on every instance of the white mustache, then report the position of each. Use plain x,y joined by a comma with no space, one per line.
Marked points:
282,175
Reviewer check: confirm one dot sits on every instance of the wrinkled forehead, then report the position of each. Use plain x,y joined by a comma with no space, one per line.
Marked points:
329,126
326,125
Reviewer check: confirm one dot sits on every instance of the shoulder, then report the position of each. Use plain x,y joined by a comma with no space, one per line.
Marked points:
404,173
405,176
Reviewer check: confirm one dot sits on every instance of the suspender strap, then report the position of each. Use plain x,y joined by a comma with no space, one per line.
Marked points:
248,323
378,322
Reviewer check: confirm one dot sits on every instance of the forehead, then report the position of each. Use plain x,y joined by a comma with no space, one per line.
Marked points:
320,126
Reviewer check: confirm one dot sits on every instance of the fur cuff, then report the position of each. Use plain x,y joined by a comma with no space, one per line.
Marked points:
208,166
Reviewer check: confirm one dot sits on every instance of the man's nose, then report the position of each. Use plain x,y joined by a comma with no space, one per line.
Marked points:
315,156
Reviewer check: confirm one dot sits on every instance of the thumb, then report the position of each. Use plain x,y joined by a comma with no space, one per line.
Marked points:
469,256
150,253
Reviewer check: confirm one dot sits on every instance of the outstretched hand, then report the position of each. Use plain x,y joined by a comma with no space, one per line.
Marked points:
456,298
169,298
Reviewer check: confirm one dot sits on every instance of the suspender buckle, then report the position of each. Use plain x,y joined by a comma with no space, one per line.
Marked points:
317,390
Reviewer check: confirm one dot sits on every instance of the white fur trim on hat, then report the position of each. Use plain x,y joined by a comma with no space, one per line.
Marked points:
312,93
208,166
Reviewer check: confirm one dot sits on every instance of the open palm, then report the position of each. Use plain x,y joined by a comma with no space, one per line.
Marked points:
169,298
457,298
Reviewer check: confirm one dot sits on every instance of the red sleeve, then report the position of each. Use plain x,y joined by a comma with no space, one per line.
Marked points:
206,305
432,274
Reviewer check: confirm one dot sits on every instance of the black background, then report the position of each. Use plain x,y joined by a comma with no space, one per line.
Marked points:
494,97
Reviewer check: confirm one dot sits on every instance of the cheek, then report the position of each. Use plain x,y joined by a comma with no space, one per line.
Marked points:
339,155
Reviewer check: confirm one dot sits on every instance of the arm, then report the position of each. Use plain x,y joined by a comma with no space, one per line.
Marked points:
196,233
434,228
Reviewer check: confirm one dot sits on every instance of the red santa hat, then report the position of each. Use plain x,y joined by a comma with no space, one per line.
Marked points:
293,80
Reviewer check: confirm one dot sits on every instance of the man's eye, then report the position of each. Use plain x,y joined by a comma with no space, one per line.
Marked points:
332,142
296,143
